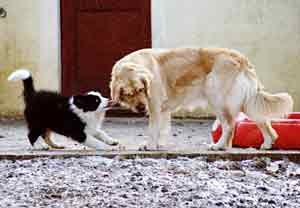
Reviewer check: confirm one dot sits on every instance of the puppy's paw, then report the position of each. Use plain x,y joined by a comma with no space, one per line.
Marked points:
40,145
112,142
58,147
55,146
118,147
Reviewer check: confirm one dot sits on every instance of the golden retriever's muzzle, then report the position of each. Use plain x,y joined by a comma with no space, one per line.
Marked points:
141,108
112,104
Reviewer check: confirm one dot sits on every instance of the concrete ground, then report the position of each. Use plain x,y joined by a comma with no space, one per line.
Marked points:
189,138
171,180
186,134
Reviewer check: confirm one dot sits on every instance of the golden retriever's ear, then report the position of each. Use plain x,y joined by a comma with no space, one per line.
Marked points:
146,84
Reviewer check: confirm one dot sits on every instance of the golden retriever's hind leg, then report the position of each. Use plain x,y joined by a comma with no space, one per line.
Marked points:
228,124
269,134
47,139
272,131
229,141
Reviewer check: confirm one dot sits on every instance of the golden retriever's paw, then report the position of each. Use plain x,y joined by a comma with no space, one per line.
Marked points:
166,144
163,147
119,147
216,147
149,147
266,146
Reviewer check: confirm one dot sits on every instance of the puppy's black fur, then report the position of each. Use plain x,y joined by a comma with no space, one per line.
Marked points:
50,110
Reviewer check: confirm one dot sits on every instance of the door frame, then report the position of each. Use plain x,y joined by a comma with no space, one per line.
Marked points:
68,41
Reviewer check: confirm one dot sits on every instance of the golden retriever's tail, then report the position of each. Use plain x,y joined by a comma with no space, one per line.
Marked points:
264,106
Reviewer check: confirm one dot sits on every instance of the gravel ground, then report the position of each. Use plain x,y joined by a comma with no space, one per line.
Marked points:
182,182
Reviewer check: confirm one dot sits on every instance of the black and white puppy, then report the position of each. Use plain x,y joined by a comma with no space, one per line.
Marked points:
78,117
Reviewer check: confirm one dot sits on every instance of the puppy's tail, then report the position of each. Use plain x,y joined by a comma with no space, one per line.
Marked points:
264,106
25,75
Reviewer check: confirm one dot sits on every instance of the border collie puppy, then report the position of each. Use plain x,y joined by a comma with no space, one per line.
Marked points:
78,117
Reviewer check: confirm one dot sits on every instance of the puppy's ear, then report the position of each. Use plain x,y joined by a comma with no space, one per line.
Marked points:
146,84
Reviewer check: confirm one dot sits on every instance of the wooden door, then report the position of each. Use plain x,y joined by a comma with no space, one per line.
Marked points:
96,33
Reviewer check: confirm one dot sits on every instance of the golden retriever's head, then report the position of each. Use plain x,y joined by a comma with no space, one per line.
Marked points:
130,86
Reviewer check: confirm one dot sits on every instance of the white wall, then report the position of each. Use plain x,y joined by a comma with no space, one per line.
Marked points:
267,31
29,38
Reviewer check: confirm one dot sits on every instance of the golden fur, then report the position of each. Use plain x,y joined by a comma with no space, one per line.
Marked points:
161,80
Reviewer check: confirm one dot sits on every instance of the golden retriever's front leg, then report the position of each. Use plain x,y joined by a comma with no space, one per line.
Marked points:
154,128
226,139
154,131
164,130
159,127
228,123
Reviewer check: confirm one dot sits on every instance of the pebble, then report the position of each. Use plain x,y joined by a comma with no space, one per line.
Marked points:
181,182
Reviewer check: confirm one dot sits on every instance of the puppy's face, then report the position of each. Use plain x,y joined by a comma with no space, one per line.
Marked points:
92,101
130,88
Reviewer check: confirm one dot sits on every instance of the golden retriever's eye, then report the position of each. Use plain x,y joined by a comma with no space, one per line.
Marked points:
121,98
141,90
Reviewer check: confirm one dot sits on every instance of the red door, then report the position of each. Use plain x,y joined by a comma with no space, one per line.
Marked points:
96,33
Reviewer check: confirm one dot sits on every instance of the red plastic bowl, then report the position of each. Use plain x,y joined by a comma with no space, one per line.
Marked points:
248,135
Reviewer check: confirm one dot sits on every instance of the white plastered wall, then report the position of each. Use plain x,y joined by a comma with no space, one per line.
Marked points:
29,38
267,31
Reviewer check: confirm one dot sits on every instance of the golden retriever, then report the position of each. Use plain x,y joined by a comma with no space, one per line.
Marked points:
159,81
